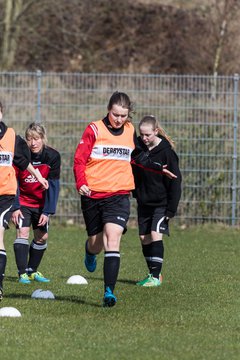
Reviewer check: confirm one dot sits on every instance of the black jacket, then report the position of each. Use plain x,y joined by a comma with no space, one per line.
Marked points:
153,188
21,157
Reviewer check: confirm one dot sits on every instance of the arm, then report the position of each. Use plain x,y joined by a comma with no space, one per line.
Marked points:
17,214
168,173
141,159
38,176
81,157
51,198
22,160
50,204
52,193
173,186
22,156
139,156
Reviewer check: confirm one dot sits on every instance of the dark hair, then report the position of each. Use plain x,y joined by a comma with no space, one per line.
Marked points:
122,99
1,107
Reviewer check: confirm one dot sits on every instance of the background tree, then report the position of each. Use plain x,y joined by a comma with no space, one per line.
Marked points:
154,36
225,13
13,11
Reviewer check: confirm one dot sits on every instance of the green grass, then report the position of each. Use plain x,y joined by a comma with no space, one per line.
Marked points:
195,314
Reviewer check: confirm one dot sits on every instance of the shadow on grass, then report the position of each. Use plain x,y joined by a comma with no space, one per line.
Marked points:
72,299
11,278
124,281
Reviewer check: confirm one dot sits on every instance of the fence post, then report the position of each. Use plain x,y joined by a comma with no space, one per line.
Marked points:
235,128
38,115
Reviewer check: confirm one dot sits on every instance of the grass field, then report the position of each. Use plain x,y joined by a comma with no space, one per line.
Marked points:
195,314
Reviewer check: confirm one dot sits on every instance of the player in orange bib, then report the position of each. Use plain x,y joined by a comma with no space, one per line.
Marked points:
104,179
13,151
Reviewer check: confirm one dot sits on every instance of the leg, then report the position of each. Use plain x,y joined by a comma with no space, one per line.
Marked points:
115,217
37,248
21,250
157,254
93,246
111,238
6,202
2,229
153,254
152,244
3,260
93,220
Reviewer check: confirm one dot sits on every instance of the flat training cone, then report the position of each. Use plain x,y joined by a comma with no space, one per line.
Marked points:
42,294
10,312
77,279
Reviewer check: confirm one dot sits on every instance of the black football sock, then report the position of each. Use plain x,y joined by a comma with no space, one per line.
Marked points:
111,268
146,250
157,252
21,250
3,262
36,252
153,254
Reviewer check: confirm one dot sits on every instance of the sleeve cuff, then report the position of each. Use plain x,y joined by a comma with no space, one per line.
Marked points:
170,214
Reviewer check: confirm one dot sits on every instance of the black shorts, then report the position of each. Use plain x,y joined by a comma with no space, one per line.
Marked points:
31,217
152,219
6,203
98,212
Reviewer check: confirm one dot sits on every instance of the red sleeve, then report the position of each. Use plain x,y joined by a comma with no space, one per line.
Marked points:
16,170
83,153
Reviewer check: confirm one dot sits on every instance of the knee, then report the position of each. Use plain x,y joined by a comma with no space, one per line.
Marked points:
41,240
23,233
94,246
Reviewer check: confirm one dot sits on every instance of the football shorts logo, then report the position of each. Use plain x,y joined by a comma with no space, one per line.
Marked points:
121,218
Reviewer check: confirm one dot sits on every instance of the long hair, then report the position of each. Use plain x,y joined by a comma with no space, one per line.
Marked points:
151,120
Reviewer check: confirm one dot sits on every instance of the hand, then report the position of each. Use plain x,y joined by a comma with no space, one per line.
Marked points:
44,183
168,173
42,180
43,220
38,176
84,190
17,216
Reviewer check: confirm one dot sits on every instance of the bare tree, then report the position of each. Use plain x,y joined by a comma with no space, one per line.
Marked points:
83,35
13,11
225,12
40,34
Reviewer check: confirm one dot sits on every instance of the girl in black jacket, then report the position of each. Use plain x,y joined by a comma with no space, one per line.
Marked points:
157,196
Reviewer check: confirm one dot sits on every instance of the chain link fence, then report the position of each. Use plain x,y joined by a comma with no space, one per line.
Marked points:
199,112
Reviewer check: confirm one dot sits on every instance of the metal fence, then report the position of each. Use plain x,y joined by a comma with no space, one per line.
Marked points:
199,112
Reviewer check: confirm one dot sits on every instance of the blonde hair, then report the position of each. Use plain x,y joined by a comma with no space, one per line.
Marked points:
36,129
151,120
